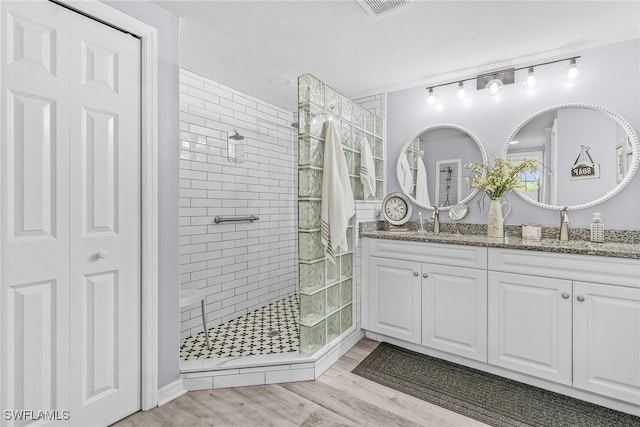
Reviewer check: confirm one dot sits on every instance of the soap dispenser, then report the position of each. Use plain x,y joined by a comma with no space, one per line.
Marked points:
597,229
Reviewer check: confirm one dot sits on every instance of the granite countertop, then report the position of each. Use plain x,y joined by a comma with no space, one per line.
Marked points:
624,249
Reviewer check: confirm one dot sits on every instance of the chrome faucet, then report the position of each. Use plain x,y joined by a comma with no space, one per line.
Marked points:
564,224
436,220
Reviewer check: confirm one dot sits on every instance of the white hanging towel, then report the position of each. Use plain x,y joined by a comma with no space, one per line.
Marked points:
422,195
367,169
406,178
337,198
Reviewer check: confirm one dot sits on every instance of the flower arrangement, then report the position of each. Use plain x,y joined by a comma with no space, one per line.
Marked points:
499,177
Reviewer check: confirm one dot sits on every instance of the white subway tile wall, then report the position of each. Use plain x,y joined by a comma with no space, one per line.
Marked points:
242,266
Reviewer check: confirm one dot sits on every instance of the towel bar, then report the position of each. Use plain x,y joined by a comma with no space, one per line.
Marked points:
220,219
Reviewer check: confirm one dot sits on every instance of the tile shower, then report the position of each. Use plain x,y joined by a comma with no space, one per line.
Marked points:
250,270
243,267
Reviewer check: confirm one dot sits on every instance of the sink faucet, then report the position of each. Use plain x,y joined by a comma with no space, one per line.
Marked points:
564,224
436,220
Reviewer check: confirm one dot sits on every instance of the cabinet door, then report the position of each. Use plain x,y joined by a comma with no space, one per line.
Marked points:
607,340
454,310
530,325
393,298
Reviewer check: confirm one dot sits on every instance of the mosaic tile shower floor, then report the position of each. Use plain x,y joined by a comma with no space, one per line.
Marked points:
271,329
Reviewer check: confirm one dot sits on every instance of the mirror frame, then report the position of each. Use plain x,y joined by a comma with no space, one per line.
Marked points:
403,150
635,158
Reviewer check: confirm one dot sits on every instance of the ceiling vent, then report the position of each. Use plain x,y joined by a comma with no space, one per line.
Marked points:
378,7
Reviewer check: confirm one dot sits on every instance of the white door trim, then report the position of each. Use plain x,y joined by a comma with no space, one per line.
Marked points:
149,182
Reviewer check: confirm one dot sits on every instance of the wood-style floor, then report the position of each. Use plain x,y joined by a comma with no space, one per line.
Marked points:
337,398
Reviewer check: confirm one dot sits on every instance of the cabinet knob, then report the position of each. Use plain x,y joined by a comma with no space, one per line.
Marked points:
580,298
565,295
415,273
425,275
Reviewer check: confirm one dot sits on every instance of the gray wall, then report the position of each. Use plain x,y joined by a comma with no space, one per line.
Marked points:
168,246
611,76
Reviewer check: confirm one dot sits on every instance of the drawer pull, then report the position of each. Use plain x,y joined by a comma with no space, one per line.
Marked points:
565,295
415,273
425,275
580,298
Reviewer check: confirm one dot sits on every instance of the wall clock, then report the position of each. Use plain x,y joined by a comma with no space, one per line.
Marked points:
397,208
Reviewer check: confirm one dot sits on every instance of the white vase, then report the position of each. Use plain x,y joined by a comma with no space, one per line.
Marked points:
495,223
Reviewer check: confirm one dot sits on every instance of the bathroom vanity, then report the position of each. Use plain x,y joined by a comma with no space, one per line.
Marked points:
564,316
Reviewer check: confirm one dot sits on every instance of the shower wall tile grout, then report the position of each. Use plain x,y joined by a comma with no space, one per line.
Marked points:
242,266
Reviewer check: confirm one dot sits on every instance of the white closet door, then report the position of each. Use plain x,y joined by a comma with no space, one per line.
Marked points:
35,211
104,175
69,182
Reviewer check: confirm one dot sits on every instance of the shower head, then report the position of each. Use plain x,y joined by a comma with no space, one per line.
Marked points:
294,125
237,136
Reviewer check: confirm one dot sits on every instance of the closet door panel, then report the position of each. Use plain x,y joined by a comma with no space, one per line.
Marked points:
105,271
34,210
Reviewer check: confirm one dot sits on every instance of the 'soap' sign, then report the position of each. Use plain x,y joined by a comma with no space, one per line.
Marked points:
585,170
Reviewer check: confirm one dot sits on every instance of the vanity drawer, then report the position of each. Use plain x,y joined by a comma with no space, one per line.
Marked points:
587,268
434,253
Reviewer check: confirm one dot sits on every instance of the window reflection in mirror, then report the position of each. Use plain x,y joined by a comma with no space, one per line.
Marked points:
564,136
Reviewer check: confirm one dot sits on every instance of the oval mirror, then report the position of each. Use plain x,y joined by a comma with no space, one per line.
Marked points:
431,163
587,154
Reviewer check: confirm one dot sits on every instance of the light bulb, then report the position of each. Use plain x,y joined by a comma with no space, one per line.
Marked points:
431,98
462,92
494,87
572,72
531,81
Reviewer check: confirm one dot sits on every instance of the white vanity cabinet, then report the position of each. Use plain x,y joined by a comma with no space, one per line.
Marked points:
429,294
393,298
530,325
565,322
606,340
454,310
572,319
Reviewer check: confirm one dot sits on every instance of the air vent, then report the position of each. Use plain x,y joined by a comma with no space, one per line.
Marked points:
378,7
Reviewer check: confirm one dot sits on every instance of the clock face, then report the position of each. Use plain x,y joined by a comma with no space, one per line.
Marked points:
396,208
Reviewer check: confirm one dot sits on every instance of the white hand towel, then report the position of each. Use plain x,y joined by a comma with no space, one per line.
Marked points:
367,169
406,178
422,194
337,198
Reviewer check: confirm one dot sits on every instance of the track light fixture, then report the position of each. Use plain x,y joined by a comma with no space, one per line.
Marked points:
494,82
462,92
431,97
531,81
494,87
573,73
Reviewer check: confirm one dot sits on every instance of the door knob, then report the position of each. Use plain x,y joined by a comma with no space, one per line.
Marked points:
102,254
565,295
425,275
415,273
580,298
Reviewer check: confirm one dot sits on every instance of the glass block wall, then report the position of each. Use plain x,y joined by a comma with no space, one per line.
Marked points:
415,153
326,289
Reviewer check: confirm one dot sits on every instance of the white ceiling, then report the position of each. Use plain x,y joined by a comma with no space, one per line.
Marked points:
260,47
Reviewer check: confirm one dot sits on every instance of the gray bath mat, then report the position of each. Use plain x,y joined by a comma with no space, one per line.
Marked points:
482,396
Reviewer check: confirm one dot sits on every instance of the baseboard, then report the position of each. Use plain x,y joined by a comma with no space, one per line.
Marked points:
171,391
332,355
